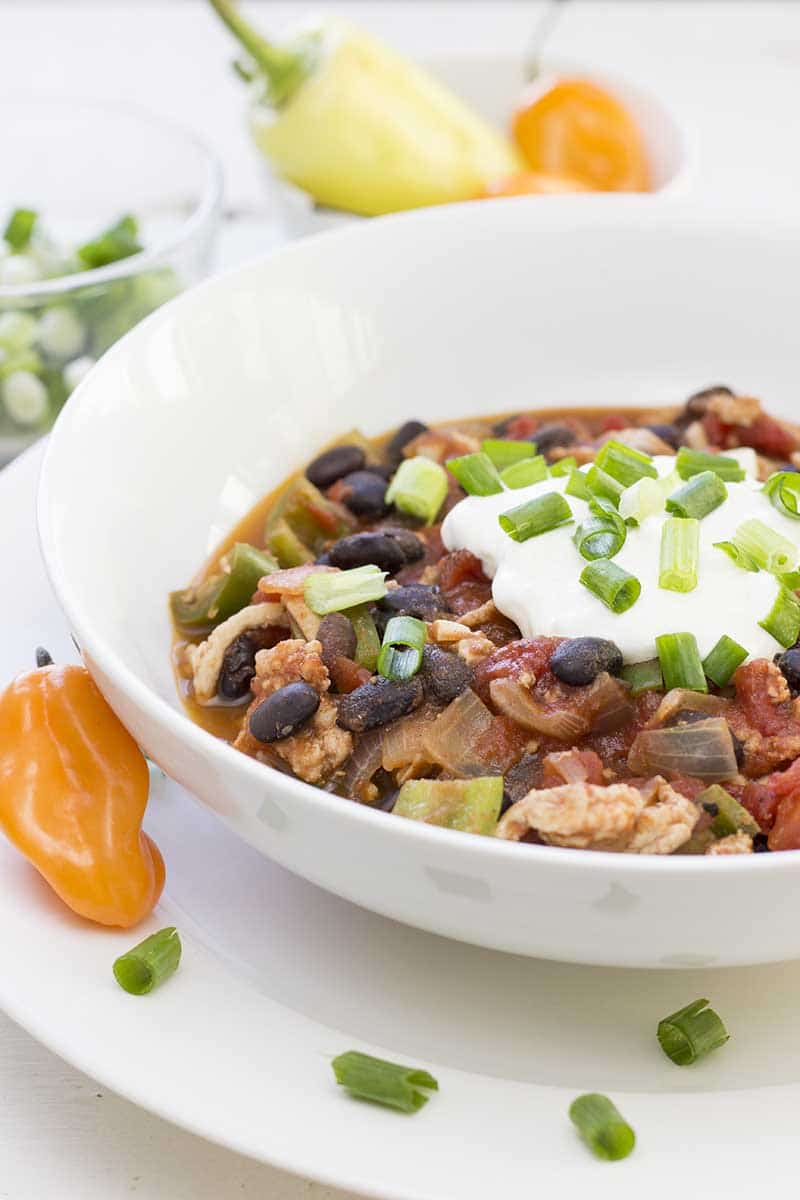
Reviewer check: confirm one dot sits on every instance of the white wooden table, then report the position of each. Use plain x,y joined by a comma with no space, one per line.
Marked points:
731,71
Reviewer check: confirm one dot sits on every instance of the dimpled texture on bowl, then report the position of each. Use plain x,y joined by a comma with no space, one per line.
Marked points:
468,310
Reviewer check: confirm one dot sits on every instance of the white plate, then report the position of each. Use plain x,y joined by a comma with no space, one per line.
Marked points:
278,977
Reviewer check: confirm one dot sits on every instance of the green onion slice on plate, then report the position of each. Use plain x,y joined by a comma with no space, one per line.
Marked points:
691,1032
150,963
383,1082
602,1127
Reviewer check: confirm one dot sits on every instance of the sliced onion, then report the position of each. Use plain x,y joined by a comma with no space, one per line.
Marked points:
704,750
682,700
364,762
606,704
514,700
403,741
450,741
306,621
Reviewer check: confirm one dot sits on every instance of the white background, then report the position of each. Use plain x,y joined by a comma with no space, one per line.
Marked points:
730,71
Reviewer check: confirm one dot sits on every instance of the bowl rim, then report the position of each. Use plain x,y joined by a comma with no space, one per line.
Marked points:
204,211
604,212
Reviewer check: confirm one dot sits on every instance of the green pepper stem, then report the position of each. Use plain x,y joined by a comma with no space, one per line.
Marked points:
285,70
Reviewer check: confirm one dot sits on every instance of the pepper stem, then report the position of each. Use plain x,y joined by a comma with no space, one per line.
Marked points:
43,657
284,69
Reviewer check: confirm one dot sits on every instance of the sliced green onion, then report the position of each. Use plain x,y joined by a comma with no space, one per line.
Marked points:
791,580
783,619
334,591
577,485
625,464
645,498
368,644
476,473
602,1127
770,549
721,661
680,554
150,963
401,653
526,472
699,496
618,590
383,1082
601,484
680,662
535,517
503,451
737,555
783,489
418,488
690,1033
643,676
729,815
564,466
602,534
117,242
19,230
695,462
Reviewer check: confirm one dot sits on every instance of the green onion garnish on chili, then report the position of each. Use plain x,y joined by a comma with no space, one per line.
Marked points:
681,666
783,489
564,466
383,1082
503,451
680,554
691,1033
535,517
602,1127
602,534
694,462
617,589
737,555
768,548
723,659
19,230
336,591
476,473
523,473
601,484
699,496
643,676
418,487
625,464
401,653
577,485
150,963
791,580
783,619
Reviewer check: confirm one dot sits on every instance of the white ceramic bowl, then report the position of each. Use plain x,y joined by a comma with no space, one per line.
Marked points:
467,310
493,85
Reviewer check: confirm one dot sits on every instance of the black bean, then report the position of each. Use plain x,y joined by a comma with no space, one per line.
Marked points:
789,664
580,660
523,776
420,600
760,844
399,440
388,801
547,437
360,549
282,713
695,407
364,493
323,560
383,469
444,675
337,637
333,464
711,808
412,546
238,668
738,748
789,467
506,802
668,433
379,702
500,429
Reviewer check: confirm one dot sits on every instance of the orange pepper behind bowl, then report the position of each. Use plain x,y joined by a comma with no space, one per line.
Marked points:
576,128
73,791
534,183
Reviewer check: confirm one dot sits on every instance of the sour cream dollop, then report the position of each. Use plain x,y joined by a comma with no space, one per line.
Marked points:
536,583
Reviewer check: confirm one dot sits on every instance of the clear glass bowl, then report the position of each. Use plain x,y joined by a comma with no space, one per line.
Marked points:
82,165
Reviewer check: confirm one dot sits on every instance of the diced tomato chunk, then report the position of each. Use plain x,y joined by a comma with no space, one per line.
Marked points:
347,675
716,432
463,583
520,428
762,804
757,683
785,833
527,656
768,436
613,422
572,766
687,785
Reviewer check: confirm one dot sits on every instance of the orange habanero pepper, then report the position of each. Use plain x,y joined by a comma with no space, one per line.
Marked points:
73,790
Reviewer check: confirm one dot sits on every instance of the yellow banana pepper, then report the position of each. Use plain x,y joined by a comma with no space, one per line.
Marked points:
360,128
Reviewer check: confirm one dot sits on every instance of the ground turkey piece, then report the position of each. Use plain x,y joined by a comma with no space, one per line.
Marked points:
736,843
651,819
321,747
